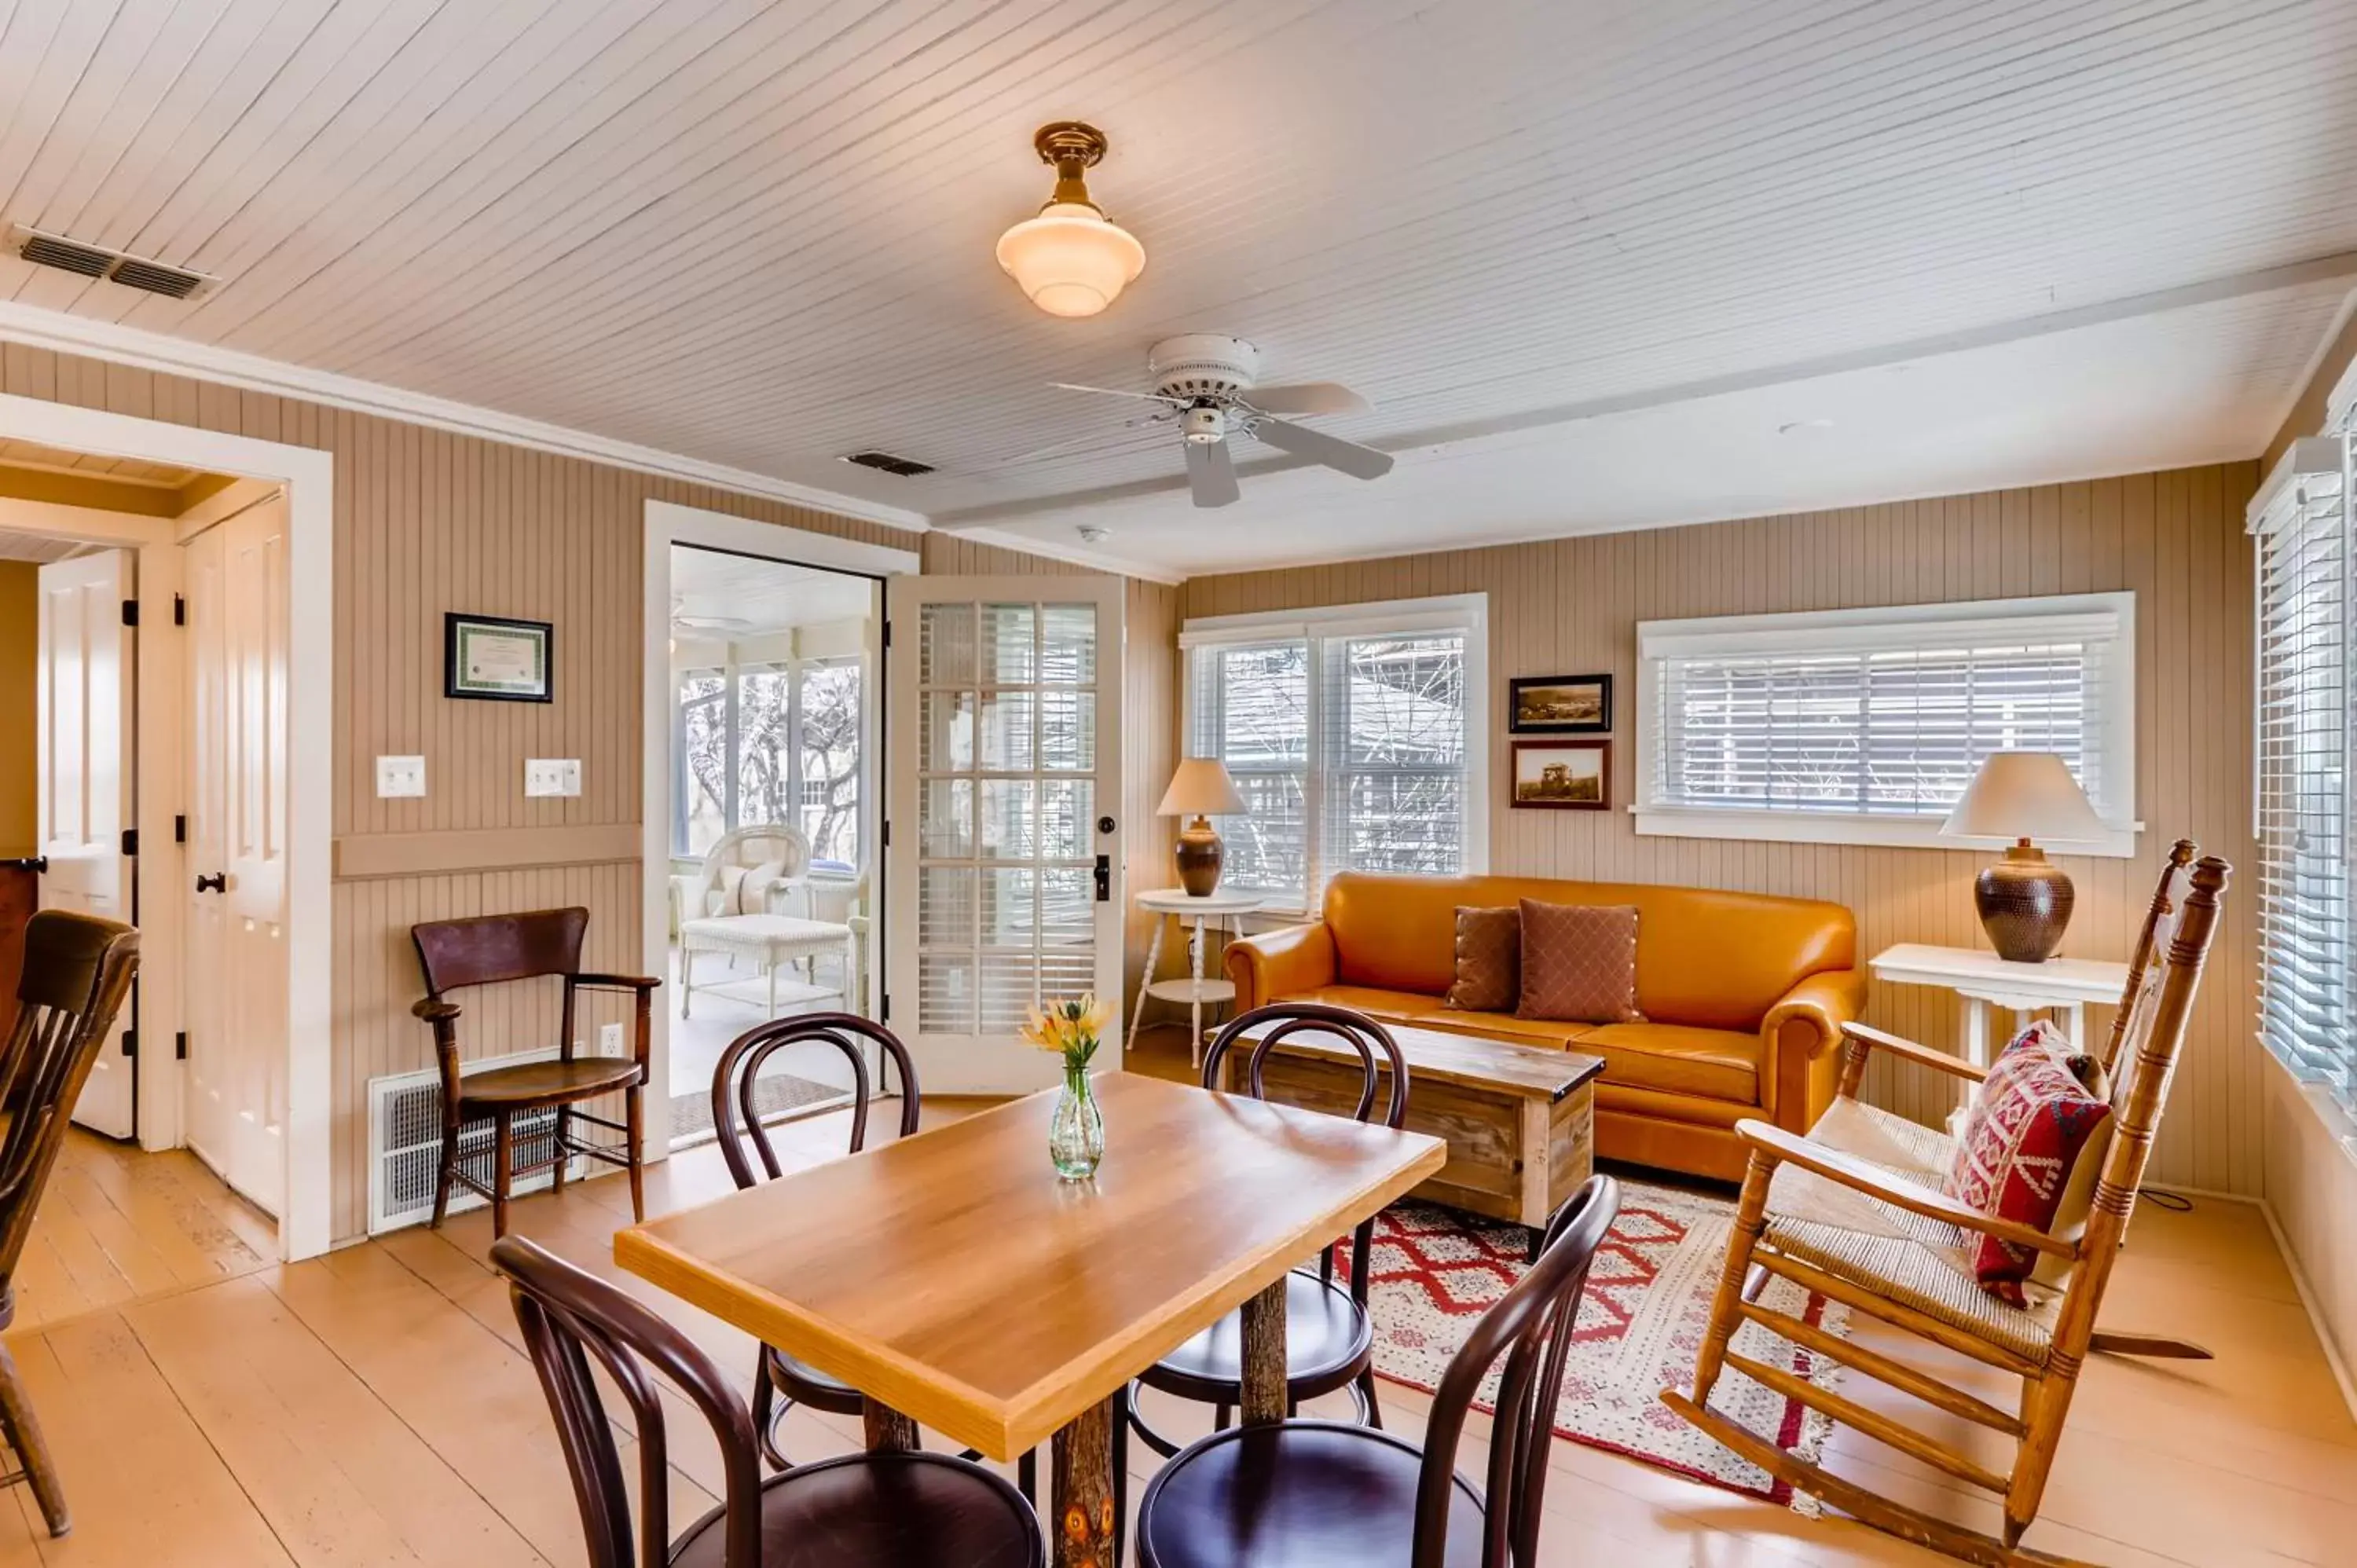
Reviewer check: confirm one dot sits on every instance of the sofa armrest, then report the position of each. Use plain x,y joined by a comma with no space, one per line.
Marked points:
1800,1067
1287,962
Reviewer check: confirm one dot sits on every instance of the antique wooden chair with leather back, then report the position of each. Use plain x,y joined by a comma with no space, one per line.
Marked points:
498,949
905,1510
1329,1340
1304,1493
77,971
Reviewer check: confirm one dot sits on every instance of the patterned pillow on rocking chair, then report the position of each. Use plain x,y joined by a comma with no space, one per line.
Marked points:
2020,1140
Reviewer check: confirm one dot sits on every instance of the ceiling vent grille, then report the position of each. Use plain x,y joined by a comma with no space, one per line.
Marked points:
884,462
97,262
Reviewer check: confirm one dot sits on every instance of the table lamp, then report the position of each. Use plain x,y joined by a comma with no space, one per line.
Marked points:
1202,790
2024,901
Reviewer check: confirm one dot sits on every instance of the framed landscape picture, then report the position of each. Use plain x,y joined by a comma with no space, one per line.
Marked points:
495,657
1562,775
1560,704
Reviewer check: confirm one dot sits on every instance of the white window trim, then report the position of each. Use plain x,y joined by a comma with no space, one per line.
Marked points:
1887,627
1468,613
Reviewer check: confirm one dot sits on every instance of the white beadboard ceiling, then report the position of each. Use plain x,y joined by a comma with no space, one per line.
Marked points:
759,596
1587,258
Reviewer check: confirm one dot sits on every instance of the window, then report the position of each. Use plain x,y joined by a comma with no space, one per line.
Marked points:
1864,726
769,741
2302,522
1348,733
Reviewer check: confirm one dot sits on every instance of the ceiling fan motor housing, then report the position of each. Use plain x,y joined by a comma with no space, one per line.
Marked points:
1203,365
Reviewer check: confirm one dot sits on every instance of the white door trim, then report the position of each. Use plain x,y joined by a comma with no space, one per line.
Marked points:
305,1225
670,524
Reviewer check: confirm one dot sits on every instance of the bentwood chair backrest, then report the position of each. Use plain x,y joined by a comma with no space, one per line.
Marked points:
78,970
736,1116
1532,1326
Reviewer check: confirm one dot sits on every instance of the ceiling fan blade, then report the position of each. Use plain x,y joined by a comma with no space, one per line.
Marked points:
1349,457
1211,474
1115,392
1308,397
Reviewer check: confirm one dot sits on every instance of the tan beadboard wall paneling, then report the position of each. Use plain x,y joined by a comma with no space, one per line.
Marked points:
1150,723
1571,605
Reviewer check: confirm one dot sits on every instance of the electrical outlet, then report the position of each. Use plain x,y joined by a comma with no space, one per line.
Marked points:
552,776
399,777
609,1040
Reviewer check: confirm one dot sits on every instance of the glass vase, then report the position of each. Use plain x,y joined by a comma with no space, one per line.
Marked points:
1076,1132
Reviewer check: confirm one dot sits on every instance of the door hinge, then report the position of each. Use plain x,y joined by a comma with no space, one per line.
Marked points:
179,610
887,833
180,1046
887,1009
131,612
887,634
130,1042
130,840
179,830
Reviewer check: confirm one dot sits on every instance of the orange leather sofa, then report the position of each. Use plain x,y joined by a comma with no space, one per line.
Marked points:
1743,997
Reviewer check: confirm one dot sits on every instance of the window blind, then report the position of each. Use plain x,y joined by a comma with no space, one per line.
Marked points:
2302,754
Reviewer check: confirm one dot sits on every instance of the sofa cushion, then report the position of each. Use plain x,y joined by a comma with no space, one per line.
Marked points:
1552,1032
1579,962
1720,1064
1489,960
1383,1006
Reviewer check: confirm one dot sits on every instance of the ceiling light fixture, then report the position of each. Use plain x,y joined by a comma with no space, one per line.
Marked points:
1071,260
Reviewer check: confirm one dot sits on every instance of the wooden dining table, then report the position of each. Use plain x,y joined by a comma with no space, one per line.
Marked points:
957,1282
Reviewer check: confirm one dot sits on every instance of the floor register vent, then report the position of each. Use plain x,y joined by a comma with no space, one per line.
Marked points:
405,1146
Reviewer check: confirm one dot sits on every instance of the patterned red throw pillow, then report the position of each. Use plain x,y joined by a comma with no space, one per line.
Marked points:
2014,1156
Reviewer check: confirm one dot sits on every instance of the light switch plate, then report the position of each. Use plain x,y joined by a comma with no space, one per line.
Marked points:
399,777
552,776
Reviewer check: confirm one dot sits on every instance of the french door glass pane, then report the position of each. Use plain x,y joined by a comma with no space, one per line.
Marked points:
1005,809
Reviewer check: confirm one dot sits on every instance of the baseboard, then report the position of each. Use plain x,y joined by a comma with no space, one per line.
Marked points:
2308,1301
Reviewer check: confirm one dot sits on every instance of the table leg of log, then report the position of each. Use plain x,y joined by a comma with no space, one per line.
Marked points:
1082,1521
1263,1369
889,1432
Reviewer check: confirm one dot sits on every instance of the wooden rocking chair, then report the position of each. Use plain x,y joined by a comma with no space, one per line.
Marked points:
1854,1212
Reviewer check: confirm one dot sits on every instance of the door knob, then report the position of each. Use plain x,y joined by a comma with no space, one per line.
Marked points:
217,883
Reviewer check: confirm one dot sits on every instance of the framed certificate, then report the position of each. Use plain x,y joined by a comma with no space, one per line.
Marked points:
497,659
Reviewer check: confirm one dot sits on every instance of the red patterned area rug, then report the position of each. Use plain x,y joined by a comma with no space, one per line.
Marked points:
1647,1301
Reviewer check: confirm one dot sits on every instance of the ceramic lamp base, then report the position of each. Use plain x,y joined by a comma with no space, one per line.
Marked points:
2025,904
1198,857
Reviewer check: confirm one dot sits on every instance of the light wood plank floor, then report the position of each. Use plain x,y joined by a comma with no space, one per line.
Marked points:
373,1407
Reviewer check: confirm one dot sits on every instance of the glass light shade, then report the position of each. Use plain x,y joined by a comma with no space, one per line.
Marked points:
1071,260
2025,794
1201,788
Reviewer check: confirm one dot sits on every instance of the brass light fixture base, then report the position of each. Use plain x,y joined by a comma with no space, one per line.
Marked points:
2025,904
1199,855
1070,148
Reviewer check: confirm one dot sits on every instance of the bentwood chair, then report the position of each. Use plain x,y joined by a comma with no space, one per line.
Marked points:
1319,1494
77,971
1329,1340
500,949
905,1510
1870,1227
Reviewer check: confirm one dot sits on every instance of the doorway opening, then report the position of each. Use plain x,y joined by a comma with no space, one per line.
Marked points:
773,788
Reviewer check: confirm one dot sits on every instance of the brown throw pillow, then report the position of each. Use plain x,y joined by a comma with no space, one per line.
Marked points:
1579,962
1489,960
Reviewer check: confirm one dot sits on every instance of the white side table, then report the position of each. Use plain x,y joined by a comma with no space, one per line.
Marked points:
1984,980
1217,910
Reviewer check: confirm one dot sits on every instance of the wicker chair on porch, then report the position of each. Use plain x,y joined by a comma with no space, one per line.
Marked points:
1856,1212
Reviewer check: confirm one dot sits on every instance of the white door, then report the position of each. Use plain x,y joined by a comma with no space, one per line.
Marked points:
1003,853
85,790
235,992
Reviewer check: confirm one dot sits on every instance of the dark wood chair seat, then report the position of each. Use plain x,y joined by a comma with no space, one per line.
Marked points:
536,1084
880,1510
1306,1492
1327,1339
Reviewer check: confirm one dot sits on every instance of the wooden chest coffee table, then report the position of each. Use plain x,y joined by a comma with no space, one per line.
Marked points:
1520,1121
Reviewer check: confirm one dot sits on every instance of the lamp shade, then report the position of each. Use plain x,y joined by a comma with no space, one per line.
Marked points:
1071,260
1201,788
2025,794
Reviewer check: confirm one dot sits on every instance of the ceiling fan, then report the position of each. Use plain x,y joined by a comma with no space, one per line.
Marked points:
1207,383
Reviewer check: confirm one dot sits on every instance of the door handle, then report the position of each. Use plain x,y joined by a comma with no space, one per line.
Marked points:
217,883
39,864
1104,879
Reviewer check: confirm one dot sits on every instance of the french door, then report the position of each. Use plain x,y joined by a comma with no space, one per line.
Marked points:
84,760
1002,843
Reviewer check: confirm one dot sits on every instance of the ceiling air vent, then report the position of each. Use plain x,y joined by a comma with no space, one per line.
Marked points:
97,262
884,462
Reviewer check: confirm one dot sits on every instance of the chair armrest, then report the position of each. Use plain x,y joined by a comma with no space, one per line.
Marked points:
618,981
1778,1146
434,1010
1799,1069
1865,1040
1287,962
